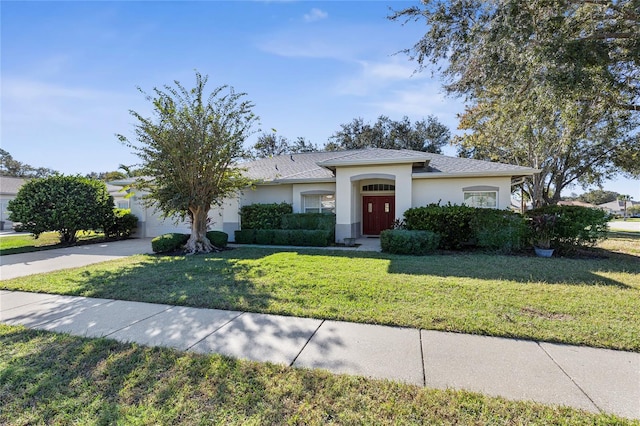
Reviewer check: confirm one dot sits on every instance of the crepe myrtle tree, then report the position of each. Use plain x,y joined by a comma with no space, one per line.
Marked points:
190,149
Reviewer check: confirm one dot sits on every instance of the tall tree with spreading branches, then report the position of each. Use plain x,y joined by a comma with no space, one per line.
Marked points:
190,148
549,84
428,135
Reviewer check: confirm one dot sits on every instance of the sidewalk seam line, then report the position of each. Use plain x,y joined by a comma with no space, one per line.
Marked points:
570,378
188,348
136,322
424,372
306,343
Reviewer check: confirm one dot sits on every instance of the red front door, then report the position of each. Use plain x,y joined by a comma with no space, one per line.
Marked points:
378,213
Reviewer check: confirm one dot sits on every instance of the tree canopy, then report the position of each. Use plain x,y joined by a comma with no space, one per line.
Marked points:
271,145
553,85
190,147
598,196
428,135
65,204
11,167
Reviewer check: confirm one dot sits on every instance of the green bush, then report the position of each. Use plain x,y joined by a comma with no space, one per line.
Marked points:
264,236
245,236
264,216
168,242
324,221
499,230
575,226
121,224
452,222
218,238
402,241
65,204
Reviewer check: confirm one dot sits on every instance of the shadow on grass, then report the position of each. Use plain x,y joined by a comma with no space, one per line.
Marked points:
51,378
485,266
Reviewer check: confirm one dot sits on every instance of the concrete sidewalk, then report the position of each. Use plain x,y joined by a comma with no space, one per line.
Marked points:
596,380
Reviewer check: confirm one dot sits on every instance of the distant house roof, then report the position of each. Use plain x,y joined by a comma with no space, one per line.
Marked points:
10,185
320,166
577,203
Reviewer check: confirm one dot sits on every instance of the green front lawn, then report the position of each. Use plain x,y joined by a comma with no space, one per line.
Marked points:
48,378
47,240
591,301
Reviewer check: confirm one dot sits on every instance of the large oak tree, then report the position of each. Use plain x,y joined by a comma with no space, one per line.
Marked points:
190,149
552,84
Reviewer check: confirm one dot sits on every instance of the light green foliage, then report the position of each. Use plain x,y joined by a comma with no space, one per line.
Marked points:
598,196
65,204
427,135
190,148
551,85
270,145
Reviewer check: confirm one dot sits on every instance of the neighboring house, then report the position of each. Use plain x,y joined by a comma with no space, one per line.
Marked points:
119,196
617,207
9,187
366,189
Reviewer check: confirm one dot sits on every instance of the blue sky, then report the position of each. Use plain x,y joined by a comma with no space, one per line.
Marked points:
69,71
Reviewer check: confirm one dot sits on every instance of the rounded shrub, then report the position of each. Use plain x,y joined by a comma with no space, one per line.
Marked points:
218,238
575,226
499,230
402,241
168,242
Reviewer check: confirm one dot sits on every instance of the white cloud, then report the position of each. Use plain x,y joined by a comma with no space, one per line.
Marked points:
372,76
315,15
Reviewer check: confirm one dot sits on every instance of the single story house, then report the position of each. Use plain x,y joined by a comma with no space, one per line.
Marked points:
366,189
9,187
616,207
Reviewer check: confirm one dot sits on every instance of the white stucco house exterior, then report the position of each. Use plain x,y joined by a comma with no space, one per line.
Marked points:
9,187
366,189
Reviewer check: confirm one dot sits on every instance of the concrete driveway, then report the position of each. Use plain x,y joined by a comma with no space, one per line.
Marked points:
19,265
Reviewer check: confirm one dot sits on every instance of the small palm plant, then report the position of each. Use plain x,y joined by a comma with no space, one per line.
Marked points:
543,227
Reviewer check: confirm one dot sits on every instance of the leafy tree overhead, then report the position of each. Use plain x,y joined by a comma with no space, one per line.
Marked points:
552,85
65,204
428,135
271,145
15,168
190,149
598,196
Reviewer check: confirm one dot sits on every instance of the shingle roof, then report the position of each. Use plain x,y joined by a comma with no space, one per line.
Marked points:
10,185
318,165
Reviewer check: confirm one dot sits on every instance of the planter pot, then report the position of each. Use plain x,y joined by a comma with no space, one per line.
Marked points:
540,252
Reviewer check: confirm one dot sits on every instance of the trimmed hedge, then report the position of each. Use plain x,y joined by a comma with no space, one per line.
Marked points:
576,226
245,236
402,241
218,238
452,222
168,242
499,230
264,216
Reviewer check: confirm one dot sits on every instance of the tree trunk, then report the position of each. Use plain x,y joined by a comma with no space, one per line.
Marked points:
198,241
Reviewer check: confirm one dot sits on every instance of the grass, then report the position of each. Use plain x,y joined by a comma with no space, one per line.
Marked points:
48,378
47,240
593,302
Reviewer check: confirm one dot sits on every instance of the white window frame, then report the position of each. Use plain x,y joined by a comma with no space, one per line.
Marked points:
324,203
477,196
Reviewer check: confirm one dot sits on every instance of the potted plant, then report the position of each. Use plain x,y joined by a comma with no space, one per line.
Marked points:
543,227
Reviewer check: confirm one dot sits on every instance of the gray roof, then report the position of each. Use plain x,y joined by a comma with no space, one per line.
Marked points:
320,165
10,185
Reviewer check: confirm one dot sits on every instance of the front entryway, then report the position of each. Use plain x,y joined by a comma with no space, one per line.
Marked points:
378,213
